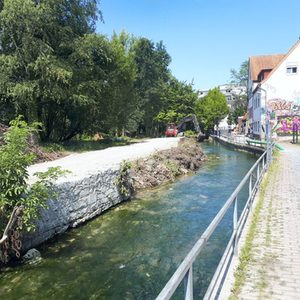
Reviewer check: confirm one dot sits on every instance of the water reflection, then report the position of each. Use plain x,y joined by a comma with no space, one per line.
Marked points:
131,251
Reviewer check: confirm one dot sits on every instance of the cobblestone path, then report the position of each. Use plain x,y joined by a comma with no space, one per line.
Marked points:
274,272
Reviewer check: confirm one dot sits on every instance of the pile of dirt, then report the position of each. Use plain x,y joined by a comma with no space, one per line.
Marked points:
166,165
33,147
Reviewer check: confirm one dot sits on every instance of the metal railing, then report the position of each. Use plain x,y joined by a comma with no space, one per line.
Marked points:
185,270
234,138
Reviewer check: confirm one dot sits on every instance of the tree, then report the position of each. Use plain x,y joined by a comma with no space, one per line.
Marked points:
179,99
211,109
121,96
92,62
54,69
152,63
238,112
240,77
36,41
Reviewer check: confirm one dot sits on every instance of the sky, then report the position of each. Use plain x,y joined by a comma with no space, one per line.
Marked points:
207,38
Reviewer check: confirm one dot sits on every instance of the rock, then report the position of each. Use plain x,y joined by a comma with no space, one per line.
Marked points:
31,256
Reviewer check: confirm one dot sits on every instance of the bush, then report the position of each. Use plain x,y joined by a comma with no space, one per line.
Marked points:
14,187
190,133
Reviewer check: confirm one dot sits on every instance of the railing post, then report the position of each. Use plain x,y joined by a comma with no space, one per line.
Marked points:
250,191
250,185
235,249
188,284
263,163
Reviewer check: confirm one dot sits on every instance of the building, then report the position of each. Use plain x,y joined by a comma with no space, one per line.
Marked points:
274,93
231,92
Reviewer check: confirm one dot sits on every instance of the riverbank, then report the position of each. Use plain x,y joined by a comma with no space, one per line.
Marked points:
131,250
95,182
238,146
166,165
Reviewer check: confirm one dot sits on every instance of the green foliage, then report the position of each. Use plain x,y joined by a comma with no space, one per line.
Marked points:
240,77
190,133
122,181
14,187
238,112
178,101
211,109
37,75
174,168
55,70
152,63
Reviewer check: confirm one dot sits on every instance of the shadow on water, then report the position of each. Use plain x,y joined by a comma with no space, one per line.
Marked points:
131,251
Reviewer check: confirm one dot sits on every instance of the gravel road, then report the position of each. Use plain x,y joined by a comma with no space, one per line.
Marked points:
85,164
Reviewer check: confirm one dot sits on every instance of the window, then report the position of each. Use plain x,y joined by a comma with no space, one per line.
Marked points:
291,70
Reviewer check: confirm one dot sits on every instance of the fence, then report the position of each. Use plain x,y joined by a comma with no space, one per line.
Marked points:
185,270
233,138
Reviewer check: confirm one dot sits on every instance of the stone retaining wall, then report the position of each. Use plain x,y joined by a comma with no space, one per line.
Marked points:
78,201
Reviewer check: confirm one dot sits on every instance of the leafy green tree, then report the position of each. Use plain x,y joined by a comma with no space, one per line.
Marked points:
122,95
230,120
54,69
240,77
211,109
179,99
238,112
152,63
36,41
87,106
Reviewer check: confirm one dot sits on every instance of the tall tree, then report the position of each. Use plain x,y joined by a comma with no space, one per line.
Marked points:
240,77
211,109
152,63
121,94
36,39
179,99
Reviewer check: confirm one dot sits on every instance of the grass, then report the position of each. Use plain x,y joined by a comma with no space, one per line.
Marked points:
247,250
87,145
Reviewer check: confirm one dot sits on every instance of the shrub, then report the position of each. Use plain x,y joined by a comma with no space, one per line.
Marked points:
190,133
123,181
14,187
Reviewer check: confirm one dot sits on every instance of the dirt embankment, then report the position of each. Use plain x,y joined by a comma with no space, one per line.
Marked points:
166,165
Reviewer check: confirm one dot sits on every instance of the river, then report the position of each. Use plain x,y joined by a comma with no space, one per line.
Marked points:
131,251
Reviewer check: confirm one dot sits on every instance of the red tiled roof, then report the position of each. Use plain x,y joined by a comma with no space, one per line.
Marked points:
263,62
286,55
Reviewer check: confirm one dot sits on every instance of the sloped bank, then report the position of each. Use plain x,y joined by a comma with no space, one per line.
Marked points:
166,165
88,196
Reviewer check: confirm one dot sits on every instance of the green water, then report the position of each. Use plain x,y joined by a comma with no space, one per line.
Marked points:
131,251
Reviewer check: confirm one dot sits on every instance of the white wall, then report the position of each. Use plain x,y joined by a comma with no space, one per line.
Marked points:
279,87
282,85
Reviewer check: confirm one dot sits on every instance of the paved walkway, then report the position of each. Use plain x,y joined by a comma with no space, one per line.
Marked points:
275,270
82,165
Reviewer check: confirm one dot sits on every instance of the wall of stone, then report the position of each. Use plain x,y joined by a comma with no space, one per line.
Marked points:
78,201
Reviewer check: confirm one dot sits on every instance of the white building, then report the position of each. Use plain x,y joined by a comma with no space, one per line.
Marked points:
231,92
274,92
